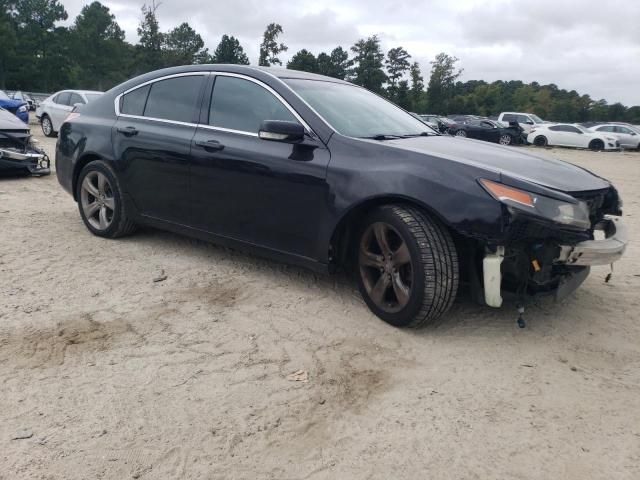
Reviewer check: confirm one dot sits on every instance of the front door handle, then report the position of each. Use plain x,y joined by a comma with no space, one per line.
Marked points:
210,145
128,131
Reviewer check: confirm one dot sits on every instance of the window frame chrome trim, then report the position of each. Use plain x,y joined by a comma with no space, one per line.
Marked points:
213,73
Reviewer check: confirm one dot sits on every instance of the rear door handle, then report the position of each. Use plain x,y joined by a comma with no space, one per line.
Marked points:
128,131
210,145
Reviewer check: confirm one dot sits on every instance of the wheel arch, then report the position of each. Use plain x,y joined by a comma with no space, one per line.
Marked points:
346,227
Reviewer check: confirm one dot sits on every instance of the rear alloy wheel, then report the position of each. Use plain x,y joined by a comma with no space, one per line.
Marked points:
461,133
407,266
540,141
47,126
100,201
505,139
596,145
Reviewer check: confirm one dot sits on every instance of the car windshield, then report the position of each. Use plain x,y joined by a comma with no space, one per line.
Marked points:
536,118
92,96
4,96
356,112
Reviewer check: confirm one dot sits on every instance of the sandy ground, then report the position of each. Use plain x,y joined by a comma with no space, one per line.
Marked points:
112,375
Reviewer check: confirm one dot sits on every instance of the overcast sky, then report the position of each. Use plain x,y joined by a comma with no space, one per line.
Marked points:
590,46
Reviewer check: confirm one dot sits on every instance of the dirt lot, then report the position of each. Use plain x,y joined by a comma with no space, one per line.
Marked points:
112,375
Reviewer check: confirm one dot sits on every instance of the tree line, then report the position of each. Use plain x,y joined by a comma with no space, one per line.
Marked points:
37,53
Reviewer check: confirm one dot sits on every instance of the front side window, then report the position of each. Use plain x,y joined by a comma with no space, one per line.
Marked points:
174,98
605,129
239,104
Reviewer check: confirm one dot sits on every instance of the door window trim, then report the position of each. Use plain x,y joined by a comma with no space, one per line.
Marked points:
119,114
116,102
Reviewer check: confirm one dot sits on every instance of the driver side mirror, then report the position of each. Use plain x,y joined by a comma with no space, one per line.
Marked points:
281,131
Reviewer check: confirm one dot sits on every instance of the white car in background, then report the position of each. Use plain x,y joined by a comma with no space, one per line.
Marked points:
526,120
54,109
571,135
628,136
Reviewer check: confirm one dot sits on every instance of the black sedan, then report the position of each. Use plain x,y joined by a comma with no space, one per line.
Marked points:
487,130
321,173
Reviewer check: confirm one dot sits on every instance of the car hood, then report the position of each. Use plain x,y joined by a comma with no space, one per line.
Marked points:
510,161
8,121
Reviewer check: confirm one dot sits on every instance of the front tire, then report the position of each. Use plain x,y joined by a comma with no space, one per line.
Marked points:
100,201
540,141
596,145
407,266
47,126
461,133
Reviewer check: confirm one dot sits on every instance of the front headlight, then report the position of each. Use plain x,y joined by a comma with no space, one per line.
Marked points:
574,214
22,109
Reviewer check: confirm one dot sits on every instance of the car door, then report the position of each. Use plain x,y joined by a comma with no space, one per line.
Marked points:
489,132
152,142
267,193
576,137
59,109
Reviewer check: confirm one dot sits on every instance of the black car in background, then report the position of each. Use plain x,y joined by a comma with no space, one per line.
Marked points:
321,173
487,130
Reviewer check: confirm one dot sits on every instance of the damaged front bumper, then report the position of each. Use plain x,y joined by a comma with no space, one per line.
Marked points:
598,252
573,261
29,161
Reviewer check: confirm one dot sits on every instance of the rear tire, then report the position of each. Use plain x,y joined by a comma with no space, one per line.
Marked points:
101,202
47,126
596,145
540,141
414,279
506,139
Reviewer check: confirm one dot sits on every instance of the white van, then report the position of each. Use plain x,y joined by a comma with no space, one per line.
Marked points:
526,120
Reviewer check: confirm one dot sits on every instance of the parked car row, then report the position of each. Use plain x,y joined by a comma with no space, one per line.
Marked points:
512,128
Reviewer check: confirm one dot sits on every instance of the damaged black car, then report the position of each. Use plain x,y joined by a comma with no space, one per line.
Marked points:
318,172
18,153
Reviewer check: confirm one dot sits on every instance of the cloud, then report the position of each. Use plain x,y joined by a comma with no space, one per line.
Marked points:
587,46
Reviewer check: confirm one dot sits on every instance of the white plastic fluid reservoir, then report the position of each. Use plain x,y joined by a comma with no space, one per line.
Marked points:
493,277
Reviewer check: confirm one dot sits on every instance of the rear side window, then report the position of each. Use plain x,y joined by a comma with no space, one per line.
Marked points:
62,98
242,105
133,102
75,98
174,99
508,118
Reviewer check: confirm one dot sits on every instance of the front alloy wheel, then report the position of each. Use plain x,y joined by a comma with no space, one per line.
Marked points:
461,133
385,267
407,265
47,126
